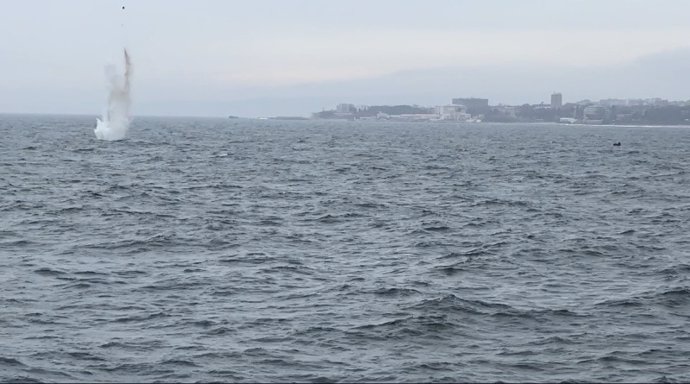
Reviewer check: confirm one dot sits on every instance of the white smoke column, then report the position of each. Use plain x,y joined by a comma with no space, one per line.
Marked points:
115,121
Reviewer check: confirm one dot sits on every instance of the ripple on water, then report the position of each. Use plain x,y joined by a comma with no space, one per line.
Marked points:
261,250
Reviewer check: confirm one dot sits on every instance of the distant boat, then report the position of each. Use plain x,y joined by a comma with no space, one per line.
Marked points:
233,117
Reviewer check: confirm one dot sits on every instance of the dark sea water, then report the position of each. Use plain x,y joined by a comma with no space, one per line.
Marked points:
247,250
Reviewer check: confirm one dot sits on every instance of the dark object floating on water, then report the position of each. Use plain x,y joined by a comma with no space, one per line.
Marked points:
618,144
233,117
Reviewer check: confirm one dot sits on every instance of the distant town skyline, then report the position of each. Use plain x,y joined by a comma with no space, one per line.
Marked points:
650,111
218,58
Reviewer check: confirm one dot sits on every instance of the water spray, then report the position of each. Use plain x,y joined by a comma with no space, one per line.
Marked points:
115,121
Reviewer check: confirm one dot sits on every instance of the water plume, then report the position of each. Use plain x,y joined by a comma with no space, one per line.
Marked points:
115,120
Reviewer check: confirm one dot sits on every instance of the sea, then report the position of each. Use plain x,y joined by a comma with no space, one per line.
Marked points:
241,250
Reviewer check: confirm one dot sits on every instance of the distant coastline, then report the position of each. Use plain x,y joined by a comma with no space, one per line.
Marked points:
525,123
620,112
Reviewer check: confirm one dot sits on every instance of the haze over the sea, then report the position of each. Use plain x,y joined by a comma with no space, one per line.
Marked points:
265,58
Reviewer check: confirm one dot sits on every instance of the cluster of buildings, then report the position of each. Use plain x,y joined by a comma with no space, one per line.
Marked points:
472,109
461,109
610,111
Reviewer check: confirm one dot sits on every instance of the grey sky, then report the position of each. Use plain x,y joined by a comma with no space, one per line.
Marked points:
292,57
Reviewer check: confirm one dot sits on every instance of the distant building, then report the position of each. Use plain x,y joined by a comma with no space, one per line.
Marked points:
556,101
452,112
594,114
656,102
473,105
472,102
613,102
345,108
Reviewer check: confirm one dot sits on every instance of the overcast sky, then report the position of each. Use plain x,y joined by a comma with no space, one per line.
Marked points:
293,57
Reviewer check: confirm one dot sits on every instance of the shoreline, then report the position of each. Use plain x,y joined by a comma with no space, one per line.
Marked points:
511,123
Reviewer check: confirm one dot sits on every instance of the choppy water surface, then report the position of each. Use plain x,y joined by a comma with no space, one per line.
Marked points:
239,250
